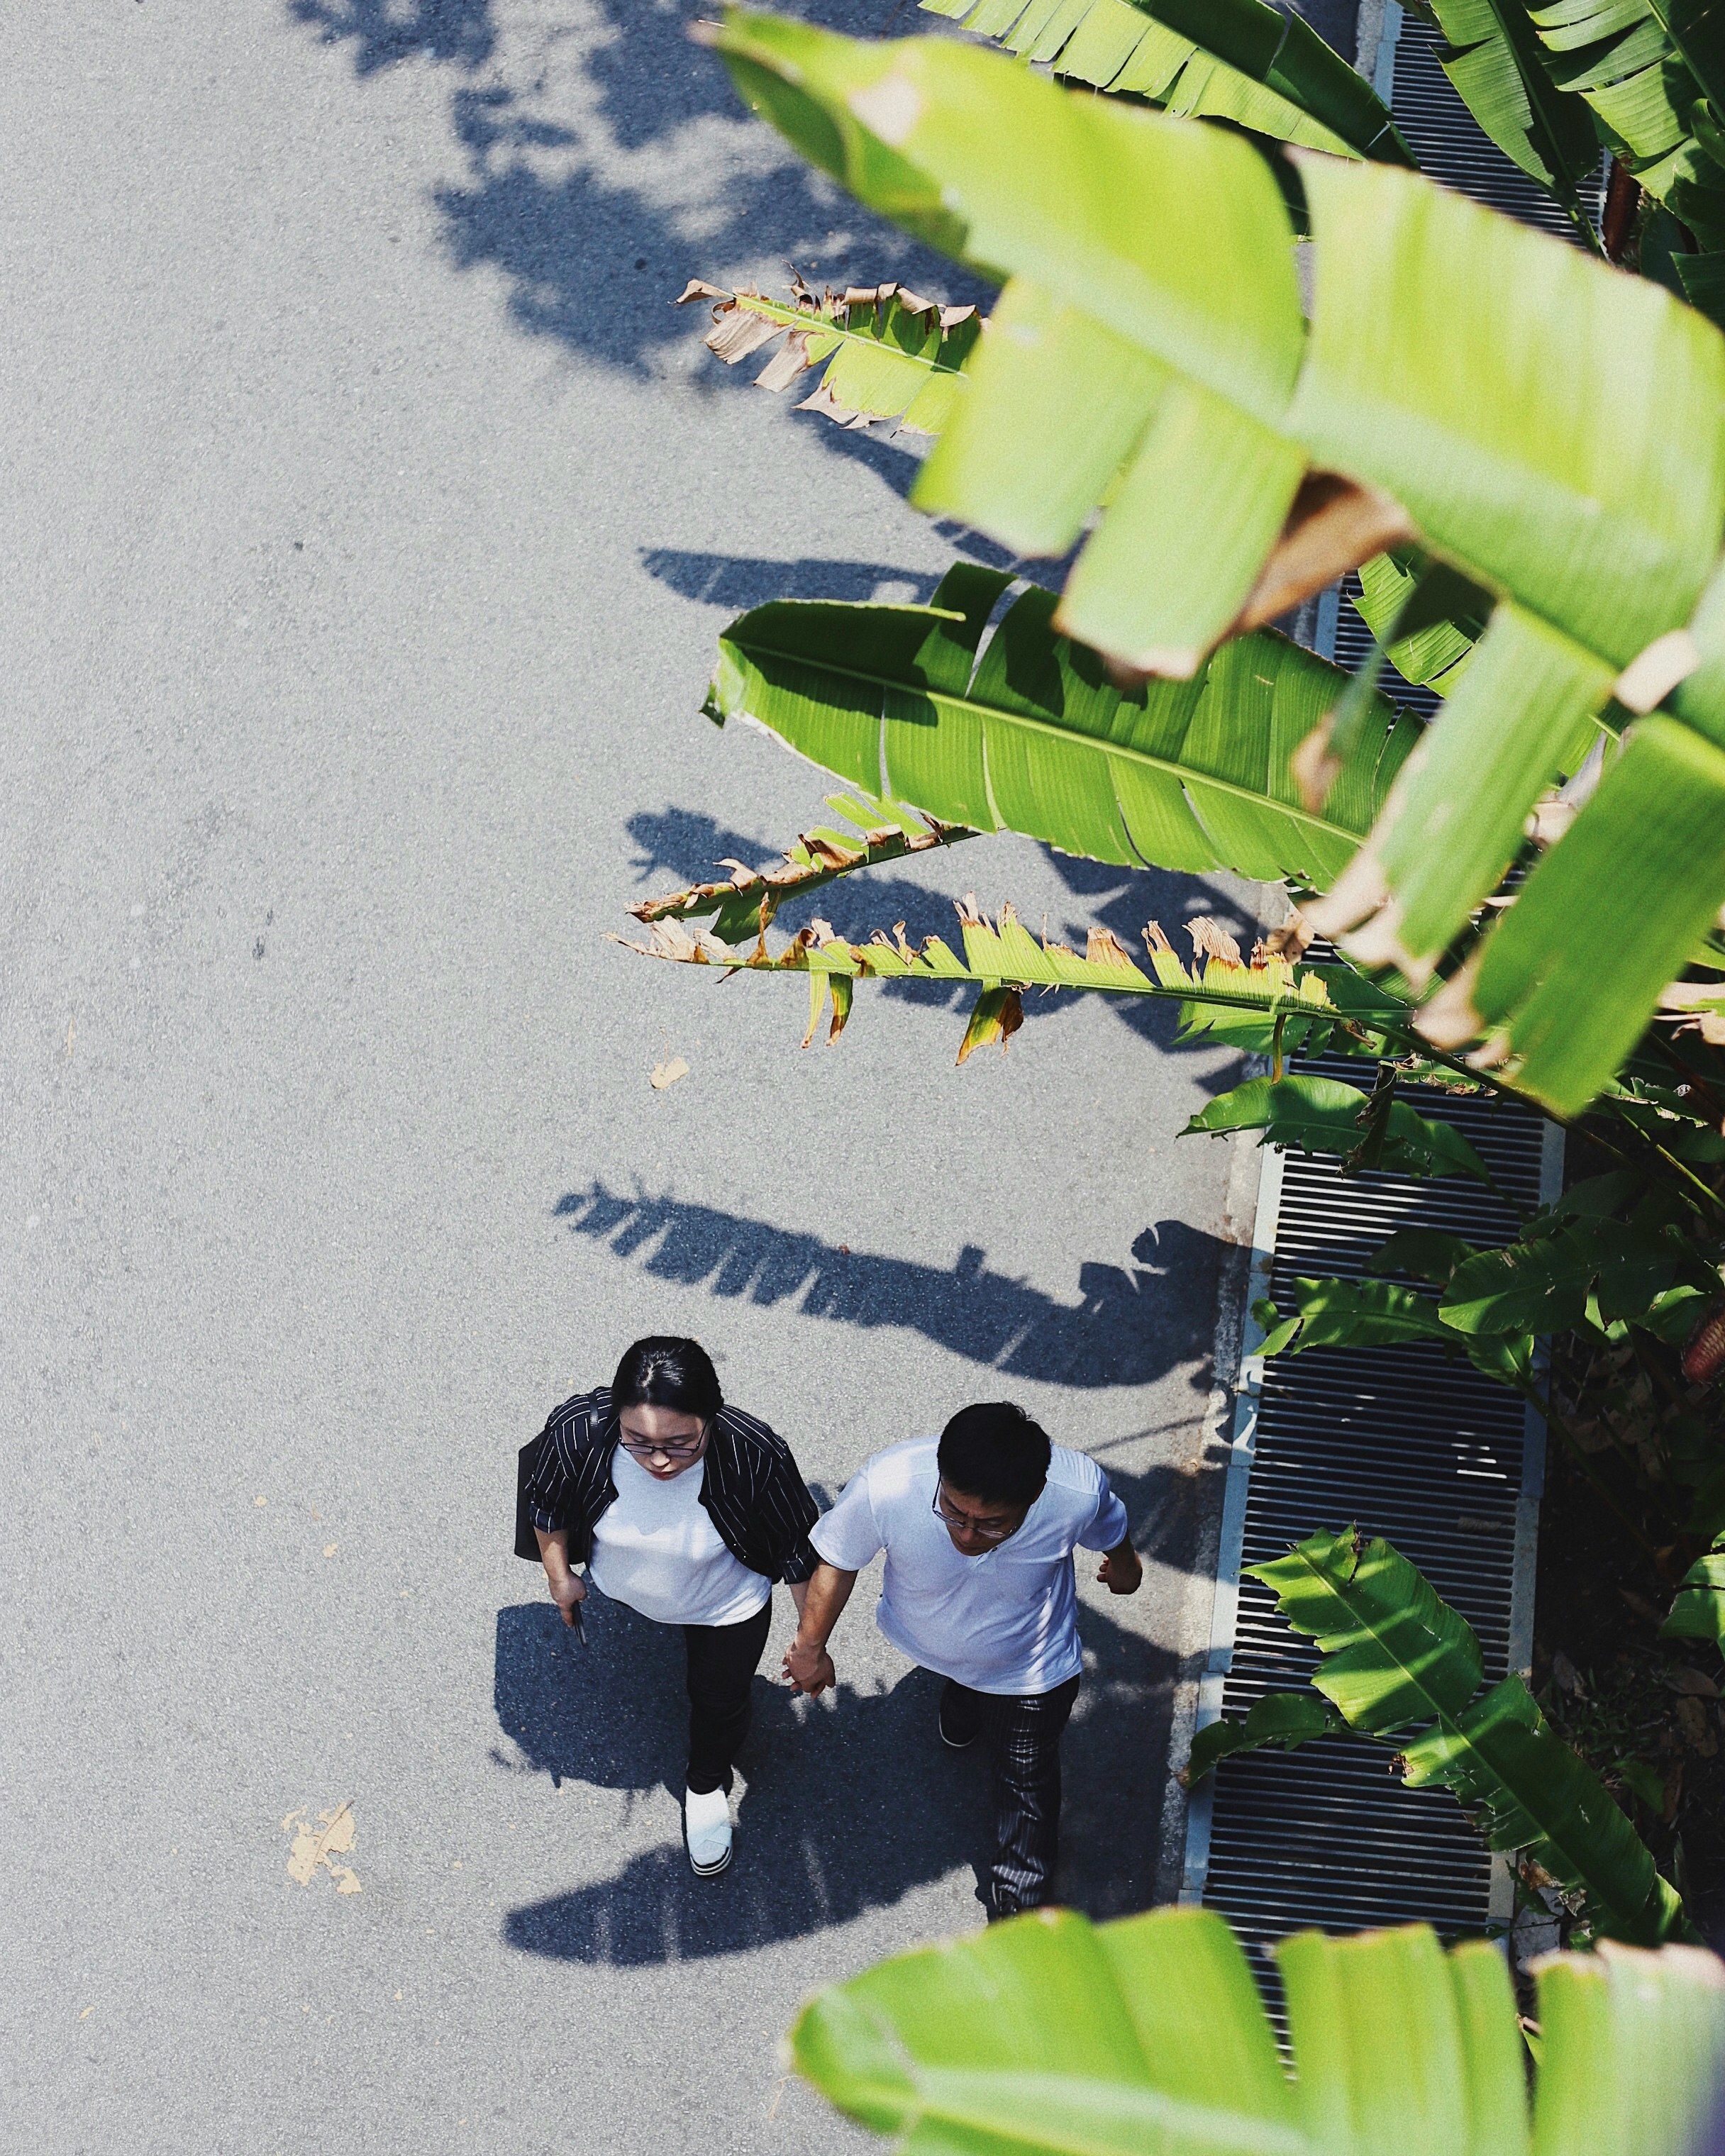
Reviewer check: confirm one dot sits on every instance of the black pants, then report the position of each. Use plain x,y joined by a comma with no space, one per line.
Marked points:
1023,1736
722,1662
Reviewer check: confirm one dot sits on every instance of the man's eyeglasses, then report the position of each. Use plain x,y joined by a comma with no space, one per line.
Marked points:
643,1448
985,1530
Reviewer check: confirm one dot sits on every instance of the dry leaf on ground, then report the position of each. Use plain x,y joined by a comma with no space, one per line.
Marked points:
333,1836
667,1074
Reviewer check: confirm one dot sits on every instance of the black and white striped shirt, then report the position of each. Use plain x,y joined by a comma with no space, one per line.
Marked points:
752,1489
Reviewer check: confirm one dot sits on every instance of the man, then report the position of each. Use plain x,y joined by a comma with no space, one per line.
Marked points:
979,1532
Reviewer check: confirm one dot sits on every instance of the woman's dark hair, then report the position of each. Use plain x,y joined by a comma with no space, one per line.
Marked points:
993,1451
664,1372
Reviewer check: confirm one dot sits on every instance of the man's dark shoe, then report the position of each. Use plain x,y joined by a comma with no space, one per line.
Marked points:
959,1724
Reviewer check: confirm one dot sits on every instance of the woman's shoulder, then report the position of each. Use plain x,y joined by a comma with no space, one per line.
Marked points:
748,1433
580,1418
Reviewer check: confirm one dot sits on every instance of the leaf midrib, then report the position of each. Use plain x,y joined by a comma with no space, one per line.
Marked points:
1262,802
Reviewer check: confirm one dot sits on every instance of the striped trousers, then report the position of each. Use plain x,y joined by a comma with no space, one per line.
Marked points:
1022,1739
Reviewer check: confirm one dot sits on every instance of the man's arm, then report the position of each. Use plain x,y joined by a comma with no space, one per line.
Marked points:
807,1663
567,1587
1122,1570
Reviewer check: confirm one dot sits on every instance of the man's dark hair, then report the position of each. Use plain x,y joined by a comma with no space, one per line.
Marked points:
995,1451
664,1372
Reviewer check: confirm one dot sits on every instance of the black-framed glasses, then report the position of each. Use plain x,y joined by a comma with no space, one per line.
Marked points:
988,1533
679,1448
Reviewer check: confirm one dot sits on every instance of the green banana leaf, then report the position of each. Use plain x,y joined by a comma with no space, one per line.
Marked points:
1544,1283
1035,737
1494,60
1698,1609
1049,2036
1393,1653
1641,69
1324,1115
1286,1718
887,354
1528,1791
1380,1314
1237,60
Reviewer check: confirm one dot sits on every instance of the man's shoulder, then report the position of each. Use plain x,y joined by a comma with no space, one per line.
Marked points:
901,1468
1076,1475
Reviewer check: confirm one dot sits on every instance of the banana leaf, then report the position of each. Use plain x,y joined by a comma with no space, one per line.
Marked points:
1035,737
1286,1718
1048,2036
1237,60
887,354
1641,69
1698,1608
1528,1791
1326,1116
1494,60
1393,1653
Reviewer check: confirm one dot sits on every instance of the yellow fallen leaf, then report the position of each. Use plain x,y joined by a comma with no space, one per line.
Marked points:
667,1074
333,1836
261,1501
346,1883
397,1995
330,1548
86,2013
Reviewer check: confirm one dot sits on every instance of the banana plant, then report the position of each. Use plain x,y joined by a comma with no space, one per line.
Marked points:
1323,1115
1047,2035
1397,1662
1234,60
1150,345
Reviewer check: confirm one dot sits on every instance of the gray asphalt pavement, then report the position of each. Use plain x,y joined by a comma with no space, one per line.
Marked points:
371,517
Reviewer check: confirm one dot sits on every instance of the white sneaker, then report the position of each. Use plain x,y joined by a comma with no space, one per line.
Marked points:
706,1826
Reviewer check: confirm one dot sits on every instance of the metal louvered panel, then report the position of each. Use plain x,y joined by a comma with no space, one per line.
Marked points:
1404,1443
1443,136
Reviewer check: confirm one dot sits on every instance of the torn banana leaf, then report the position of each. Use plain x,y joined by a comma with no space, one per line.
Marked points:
1393,1654
1326,1116
1237,61
1035,737
1433,650
1002,959
888,354
744,903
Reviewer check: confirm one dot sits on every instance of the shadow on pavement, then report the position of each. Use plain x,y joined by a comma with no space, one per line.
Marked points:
608,158
848,1807
1130,1328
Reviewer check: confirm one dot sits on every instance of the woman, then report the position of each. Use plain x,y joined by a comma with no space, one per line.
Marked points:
688,1510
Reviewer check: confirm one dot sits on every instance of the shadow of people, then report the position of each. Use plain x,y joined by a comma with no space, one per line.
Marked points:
1127,1328
851,1802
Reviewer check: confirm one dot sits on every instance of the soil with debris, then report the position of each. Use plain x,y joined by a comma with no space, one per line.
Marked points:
1646,1713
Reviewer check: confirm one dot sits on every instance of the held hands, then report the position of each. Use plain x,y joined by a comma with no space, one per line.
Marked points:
809,1669
1121,1571
565,1593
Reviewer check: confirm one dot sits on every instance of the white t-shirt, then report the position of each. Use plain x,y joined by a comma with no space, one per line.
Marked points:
1005,1622
657,1549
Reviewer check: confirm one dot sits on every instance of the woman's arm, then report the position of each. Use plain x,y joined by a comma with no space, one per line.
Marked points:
807,1663
566,1588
